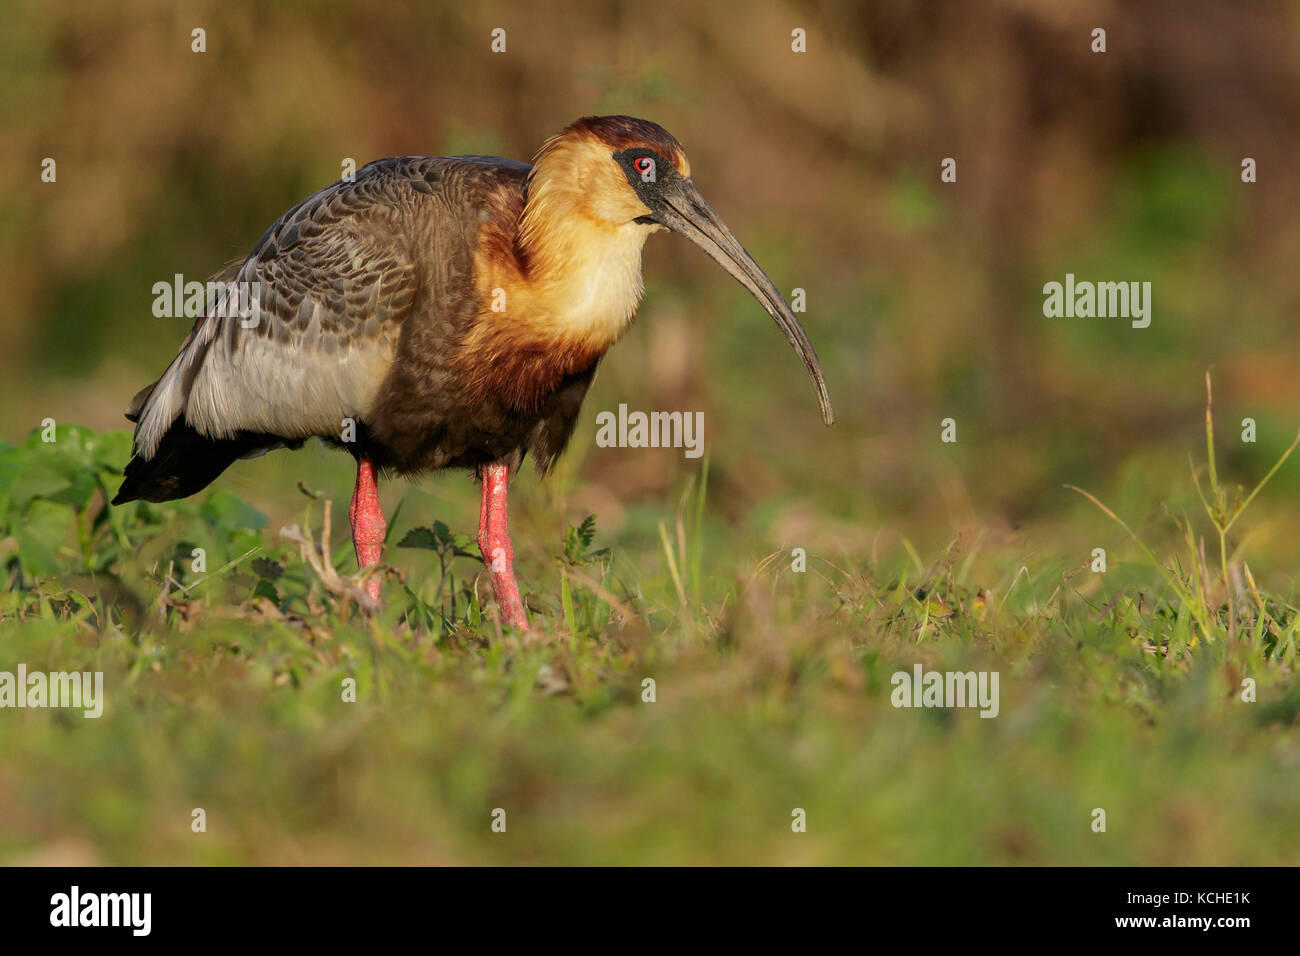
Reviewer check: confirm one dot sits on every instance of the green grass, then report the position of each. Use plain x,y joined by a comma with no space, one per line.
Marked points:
226,691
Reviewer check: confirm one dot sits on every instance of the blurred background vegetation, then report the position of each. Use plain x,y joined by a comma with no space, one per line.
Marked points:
924,298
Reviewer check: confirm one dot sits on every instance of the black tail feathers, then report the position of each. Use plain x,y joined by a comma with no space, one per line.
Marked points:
187,462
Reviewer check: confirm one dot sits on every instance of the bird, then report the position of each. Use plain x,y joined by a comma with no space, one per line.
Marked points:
430,313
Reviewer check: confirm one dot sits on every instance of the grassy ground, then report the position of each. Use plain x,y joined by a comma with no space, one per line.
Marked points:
226,689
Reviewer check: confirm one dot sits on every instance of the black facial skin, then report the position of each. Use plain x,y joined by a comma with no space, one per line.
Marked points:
675,203
649,192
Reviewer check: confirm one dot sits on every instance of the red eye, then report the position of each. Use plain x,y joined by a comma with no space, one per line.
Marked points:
643,165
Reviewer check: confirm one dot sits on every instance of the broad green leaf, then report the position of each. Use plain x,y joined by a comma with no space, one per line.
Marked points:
43,528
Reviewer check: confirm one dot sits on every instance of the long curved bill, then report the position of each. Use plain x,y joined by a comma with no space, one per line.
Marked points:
684,211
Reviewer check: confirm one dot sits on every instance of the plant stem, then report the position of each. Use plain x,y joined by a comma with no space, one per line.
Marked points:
1227,585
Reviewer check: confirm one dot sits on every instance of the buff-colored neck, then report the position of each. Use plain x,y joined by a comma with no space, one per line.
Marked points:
579,244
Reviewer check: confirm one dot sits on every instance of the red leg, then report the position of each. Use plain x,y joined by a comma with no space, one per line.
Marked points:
494,542
367,522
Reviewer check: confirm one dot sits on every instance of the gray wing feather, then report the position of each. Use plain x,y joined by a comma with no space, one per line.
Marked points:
315,323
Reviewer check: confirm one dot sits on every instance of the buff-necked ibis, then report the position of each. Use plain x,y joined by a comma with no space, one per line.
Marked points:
452,309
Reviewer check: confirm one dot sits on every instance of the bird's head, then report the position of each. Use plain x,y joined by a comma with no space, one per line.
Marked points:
627,174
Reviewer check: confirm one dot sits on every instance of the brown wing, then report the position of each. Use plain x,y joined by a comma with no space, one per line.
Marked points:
318,309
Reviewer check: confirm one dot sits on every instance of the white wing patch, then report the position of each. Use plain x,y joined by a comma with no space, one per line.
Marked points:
288,383
329,286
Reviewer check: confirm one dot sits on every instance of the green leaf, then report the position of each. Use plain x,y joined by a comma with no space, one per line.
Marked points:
43,528
37,477
577,542
267,569
587,530
420,538
10,464
225,511
113,450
